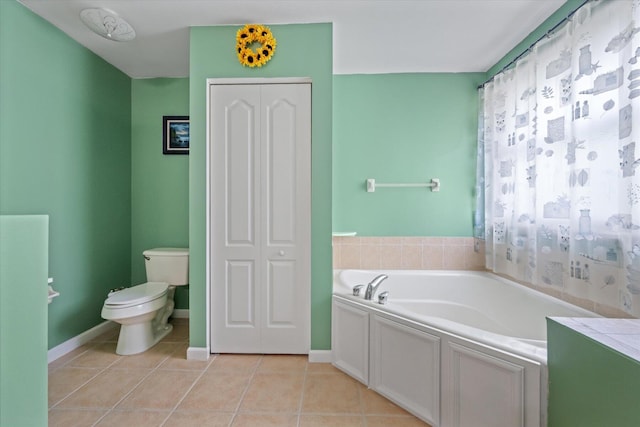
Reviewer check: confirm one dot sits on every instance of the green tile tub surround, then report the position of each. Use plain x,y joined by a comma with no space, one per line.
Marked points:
23,320
65,151
590,384
159,182
303,51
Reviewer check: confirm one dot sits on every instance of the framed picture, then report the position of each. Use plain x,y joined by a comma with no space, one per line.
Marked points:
175,134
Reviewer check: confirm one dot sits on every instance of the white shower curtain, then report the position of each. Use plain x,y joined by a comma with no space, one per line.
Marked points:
560,135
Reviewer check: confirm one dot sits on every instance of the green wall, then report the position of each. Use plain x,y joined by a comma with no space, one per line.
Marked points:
65,152
410,128
405,128
159,182
23,307
303,51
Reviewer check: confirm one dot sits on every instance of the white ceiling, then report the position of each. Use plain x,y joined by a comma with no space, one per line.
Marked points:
369,36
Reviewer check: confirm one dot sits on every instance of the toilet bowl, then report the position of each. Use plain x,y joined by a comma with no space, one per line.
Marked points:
143,310
135,308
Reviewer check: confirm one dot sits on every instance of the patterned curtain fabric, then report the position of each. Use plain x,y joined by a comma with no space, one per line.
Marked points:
560,135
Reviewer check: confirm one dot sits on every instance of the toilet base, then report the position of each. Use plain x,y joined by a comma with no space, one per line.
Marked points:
138,337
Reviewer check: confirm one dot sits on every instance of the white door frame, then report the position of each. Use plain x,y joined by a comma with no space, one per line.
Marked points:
197,354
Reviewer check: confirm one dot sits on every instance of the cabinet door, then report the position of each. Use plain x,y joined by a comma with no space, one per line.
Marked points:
405,367
350,340
480,389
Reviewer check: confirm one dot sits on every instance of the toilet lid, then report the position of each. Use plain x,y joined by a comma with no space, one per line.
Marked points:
137,294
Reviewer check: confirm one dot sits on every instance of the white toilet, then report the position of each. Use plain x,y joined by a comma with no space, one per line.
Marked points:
143,310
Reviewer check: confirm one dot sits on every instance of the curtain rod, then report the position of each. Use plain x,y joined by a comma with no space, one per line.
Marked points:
547,34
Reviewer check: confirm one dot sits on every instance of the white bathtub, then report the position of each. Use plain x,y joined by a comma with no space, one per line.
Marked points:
470,334
476,305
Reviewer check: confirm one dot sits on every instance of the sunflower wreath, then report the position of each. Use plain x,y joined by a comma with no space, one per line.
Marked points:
246,37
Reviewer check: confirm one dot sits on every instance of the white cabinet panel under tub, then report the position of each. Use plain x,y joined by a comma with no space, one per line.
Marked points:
405,367
481,387
440,377
350,345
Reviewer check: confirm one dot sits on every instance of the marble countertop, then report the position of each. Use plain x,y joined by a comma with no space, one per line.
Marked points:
622,335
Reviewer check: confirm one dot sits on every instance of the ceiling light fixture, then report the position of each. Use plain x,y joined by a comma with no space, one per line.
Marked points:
107,24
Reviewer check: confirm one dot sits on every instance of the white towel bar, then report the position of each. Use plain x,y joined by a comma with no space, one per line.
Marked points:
434,185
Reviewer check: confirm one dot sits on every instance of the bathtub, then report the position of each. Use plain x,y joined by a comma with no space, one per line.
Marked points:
455,348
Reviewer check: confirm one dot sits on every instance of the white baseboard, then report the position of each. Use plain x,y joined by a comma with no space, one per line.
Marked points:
79,340
180,313
320,356
197,353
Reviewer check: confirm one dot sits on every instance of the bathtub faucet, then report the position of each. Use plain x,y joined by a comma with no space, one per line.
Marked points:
373,286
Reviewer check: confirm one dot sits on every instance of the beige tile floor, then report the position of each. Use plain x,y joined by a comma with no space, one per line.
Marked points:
92,386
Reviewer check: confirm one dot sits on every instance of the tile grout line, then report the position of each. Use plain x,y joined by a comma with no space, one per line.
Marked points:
188,391
304,383
246,389
111,410
63,365
91,345
102,370
95,343
75,389
361,400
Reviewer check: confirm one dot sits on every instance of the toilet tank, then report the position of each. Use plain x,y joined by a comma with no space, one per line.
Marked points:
169,265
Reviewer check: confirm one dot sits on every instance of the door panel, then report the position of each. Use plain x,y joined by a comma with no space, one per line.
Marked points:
240,173
281,172
240,291
281,297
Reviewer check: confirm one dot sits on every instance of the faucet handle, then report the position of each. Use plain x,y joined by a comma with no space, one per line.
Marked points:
383,297
357,289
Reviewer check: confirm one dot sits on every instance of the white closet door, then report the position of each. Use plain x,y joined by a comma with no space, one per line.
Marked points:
286,217
235,223
260,226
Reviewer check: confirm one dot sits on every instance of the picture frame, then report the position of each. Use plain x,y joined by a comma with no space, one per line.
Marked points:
175,134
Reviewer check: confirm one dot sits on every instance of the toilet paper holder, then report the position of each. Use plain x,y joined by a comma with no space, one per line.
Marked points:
52,292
